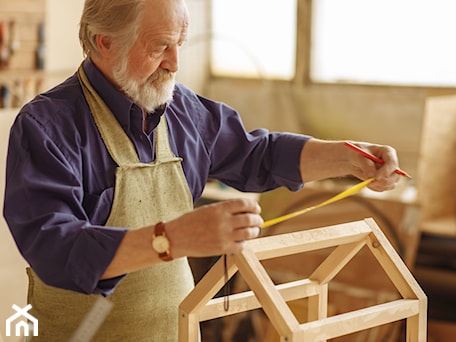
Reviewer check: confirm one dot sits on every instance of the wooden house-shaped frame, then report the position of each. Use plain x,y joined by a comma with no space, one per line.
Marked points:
348,238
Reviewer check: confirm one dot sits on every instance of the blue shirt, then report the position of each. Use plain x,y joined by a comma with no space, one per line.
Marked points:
60,178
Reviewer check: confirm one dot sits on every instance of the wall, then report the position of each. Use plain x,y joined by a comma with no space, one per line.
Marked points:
382,114
194,54
63,51
386,115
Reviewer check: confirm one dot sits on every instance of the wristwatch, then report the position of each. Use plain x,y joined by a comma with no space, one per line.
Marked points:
160,242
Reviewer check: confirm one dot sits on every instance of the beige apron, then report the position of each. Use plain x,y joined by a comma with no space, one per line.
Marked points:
145,302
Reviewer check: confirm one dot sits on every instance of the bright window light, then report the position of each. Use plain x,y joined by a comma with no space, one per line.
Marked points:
402,42
254,38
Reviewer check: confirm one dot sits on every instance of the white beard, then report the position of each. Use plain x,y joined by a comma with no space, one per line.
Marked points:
151,94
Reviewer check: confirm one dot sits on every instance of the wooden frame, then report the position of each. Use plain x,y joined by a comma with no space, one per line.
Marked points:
348,239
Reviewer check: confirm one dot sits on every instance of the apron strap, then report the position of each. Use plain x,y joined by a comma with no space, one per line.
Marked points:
162,148
117,142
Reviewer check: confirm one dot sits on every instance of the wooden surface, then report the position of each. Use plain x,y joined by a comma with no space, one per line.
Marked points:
437,167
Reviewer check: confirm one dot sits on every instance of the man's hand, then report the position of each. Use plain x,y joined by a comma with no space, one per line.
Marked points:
363,168
215,229
322,159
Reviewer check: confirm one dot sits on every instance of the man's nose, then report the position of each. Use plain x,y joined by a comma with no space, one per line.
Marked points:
171,59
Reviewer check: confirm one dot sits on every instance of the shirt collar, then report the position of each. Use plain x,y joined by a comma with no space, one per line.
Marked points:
120,105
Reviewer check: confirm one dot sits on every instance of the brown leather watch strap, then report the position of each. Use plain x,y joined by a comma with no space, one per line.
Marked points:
159,231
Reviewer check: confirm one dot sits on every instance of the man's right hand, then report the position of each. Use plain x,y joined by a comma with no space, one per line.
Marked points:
215,229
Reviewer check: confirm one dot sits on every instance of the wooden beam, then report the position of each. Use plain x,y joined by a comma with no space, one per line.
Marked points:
392,263
273,304
308,240
337,260
246,301
188,327
358,320
318,305
209,285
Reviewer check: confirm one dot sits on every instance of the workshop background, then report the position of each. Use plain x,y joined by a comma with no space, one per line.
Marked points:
380,70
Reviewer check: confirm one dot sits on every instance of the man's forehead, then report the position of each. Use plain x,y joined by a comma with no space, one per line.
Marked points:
174,10
164,16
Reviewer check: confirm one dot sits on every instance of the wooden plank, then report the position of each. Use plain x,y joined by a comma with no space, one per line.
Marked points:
318,305
208,286
308,240
272,302
246,301
334,263
188,327
402,279
413,331
436,193
363,319
393,265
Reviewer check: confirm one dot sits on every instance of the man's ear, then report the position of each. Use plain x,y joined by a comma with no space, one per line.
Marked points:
104,44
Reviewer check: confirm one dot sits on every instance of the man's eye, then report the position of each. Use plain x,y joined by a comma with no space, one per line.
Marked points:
158,52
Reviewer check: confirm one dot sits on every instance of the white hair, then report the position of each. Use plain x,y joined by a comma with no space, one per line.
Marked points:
119,19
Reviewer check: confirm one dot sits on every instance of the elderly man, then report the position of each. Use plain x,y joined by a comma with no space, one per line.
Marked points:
103,171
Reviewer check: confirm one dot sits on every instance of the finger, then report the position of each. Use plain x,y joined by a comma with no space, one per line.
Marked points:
242,205
247,220
235,247
385,183
241,236
383,171
246,233
390,161
246,225
364,168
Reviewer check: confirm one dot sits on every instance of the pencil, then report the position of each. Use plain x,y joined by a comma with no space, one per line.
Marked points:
374,158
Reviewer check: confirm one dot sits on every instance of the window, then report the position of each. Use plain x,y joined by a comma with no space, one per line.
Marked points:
399,42
254,38
402,42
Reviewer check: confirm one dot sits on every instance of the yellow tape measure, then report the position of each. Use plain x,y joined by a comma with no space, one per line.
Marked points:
343,194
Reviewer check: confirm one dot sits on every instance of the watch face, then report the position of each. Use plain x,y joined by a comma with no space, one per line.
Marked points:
160,244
